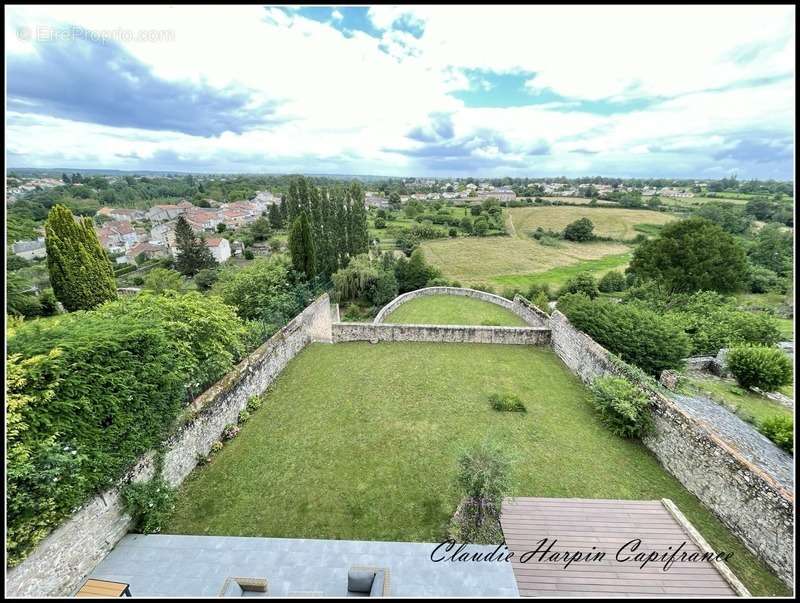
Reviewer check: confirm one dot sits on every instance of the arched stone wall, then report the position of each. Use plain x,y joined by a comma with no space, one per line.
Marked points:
520,306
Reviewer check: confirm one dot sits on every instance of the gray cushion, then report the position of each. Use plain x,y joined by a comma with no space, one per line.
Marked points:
360,581
377,585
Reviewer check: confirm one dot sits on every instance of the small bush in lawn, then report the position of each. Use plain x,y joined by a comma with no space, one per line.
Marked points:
483,479
507,403
623,408
149,504
216,447
760,366
244,416
611,282
230,431
254,403
779,429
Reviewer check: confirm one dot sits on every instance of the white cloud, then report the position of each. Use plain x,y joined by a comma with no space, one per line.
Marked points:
354,96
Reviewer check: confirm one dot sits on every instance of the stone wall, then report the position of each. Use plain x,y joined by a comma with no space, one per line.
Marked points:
752,504
359,331
520,306
58,565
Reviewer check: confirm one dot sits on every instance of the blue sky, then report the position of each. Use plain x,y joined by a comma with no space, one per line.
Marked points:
482,91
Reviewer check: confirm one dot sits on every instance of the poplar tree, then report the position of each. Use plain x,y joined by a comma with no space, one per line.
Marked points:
301,246
80,270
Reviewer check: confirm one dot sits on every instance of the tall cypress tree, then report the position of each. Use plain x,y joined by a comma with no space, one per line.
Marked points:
193,253
80,271
358,235
275,217
301,246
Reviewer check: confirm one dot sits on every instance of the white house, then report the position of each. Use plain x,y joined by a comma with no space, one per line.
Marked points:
220,249
30,249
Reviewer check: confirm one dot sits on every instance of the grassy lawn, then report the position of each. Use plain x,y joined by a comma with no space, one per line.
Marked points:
556,277
360,441
608,222
484,260
453,310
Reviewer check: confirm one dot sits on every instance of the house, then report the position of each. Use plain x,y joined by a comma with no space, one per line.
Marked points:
162,213
117,237
203,219
30,250
220,249
163,234
149,251
121,214
376,200
236,218
264,199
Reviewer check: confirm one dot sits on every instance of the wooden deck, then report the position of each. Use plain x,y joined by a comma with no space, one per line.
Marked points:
607,525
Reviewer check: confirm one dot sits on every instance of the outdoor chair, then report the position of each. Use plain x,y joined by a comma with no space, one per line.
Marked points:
365,581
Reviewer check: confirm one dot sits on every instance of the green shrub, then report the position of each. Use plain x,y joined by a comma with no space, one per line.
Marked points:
92,390
779,429
267,290
483,479
611,282
760,366
149,503
713,322
216,447
638,335
579,230
244,416
507,403
581,283
623,408
254,403
542,302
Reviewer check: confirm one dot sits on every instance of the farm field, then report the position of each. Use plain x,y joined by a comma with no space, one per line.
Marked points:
360,441
494,260
453,310
608,222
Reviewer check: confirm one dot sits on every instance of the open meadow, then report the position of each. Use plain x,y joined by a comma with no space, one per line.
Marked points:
612,222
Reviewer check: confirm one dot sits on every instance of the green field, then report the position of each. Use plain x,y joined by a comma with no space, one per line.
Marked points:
453,310
608,221
556,277
499,261
360,441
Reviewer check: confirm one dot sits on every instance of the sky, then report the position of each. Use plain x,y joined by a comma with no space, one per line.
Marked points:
659,91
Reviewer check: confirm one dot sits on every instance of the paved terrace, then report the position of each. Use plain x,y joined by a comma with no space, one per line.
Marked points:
160,565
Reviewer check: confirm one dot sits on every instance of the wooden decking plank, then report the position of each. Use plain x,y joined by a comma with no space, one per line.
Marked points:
594,526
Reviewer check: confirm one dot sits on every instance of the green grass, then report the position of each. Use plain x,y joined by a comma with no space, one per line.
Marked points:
556,277
482,261
453,310
748,405
360,441
615,222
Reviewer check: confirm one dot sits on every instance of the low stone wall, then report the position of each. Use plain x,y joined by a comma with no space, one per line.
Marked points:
524,309
58,565
753,505
364,331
